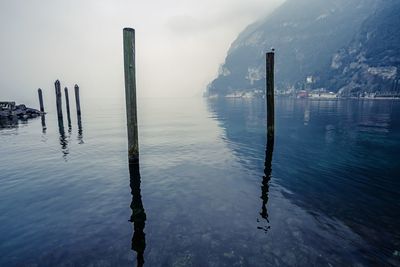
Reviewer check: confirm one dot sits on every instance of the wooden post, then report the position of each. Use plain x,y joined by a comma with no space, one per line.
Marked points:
78,101
67,104
130,94
269,92
41,100
270,95
58,100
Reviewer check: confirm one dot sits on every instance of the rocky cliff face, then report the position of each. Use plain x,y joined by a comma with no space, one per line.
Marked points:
307,35
371,62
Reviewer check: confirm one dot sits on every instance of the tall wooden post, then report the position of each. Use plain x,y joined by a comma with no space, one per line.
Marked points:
270,95
130,94
77,100
41,100
58,100
67,105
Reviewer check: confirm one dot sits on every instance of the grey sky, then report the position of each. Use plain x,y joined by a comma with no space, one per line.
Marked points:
180,43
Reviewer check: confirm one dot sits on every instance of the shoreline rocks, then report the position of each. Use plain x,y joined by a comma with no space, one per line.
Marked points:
8,110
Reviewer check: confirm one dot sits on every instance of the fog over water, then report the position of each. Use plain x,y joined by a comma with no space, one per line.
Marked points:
180,44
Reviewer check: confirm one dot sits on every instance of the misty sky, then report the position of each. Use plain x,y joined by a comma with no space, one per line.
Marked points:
180,44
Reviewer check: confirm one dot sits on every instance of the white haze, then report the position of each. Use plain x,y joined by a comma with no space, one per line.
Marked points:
180,44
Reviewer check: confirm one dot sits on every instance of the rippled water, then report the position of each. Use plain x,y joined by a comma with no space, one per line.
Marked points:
208,194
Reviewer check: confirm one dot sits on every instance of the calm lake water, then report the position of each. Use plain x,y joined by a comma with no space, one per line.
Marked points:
209,194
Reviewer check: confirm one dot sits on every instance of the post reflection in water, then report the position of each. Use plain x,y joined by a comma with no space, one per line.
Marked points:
138,217
63,139
43,119
80,130
265,183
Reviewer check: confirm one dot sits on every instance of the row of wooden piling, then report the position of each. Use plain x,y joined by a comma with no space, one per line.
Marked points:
57,86
130,93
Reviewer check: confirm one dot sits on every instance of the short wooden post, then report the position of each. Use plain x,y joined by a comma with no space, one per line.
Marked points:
67,105
130,93
58,100
270,95
77,100
41,100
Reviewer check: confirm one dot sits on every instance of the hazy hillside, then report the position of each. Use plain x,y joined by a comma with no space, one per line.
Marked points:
305,33
371,62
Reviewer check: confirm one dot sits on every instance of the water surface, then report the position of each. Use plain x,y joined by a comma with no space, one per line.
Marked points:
206,192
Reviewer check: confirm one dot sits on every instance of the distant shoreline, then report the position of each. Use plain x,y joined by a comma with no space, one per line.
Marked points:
308,98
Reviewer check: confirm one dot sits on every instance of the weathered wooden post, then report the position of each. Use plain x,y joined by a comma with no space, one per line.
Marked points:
77,100
67,105
270,95
58,100
130,94
41,100
270,58
78,112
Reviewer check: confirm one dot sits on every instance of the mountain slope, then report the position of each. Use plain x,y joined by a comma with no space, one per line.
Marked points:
372,60
305,33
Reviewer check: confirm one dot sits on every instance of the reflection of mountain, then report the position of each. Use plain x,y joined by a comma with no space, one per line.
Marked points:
336,158
245,125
